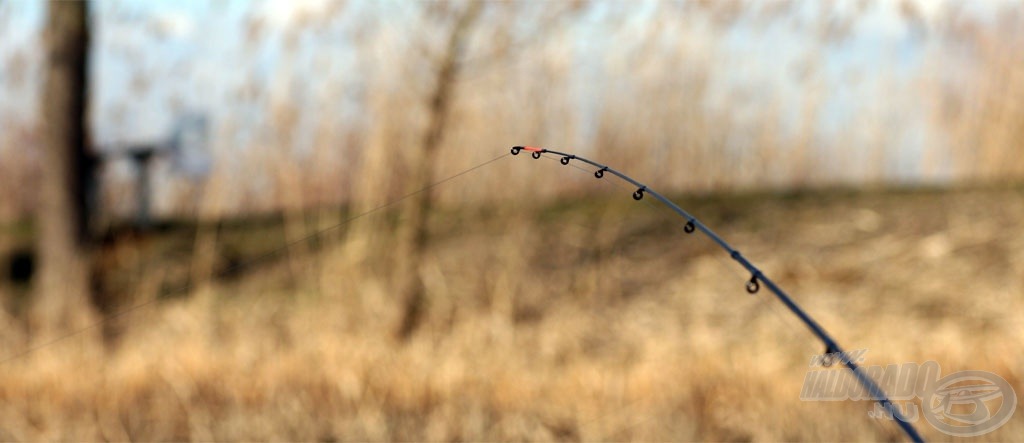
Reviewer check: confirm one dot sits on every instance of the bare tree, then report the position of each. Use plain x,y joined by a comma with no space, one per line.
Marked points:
413,232
62,302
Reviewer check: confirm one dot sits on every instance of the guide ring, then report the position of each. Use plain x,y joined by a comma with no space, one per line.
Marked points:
690,227
753,286
639,193
828,358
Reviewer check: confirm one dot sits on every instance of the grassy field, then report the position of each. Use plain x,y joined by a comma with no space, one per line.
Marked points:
588,319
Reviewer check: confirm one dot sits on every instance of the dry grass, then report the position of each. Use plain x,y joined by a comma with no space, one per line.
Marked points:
549,321
589,321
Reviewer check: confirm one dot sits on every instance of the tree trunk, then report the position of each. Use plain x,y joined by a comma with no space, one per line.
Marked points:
62,301
412,236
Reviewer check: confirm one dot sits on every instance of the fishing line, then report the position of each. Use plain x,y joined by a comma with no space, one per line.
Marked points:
787,326
794,335
790,327
239,266
725,265
582,422
620,185
753,285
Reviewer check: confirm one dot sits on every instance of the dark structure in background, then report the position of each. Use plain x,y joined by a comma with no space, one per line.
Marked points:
187,148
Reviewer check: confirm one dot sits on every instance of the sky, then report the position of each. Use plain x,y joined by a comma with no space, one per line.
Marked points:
178,36
157,61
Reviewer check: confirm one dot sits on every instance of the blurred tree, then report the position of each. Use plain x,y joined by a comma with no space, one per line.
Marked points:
413,233
62,302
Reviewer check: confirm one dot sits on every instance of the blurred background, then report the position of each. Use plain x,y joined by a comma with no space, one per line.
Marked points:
212,224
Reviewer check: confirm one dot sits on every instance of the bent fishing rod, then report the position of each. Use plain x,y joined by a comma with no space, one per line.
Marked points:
753,285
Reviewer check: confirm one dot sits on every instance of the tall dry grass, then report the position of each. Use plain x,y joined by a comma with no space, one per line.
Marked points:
981,107
598,320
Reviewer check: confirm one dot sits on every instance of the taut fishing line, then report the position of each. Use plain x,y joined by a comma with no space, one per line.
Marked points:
788,326
239,266
753,285
794,334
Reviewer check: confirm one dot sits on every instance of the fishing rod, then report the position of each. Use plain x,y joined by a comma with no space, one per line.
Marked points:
753,285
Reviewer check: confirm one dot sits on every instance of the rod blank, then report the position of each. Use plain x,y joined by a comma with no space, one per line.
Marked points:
752,286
